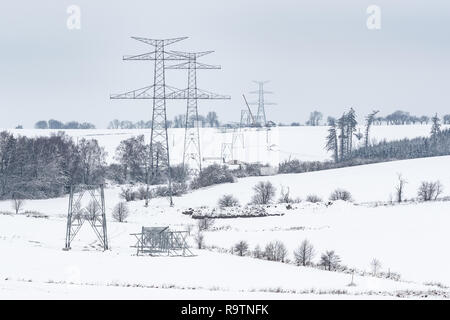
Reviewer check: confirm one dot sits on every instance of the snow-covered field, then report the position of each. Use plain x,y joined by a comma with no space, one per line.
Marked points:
250,145
410,239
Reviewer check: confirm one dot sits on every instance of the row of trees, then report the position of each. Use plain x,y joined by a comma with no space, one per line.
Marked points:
55,124
42,167
398,117
211,120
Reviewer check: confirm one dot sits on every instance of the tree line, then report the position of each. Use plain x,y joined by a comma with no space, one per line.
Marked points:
211,120
55,124
42,167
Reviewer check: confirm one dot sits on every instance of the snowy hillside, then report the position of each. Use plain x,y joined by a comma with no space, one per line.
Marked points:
250,145
393,234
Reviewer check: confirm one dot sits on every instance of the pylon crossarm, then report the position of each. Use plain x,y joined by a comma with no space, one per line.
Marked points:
191,55
192,65
156,42
152,56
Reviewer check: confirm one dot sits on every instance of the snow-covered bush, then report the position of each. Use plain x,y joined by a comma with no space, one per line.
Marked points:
228,200
264,193
214,174
120,211
179,173
340,194
313,198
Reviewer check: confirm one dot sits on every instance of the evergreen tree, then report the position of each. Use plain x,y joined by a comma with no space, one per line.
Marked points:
435,128
332,142
369,121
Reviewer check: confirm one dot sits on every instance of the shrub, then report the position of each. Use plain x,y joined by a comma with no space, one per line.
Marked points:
264,193
241,247
179,173
313,198
275,251
429,190
228,200
142,193
178,189
127,194
214,174
120,212
340,194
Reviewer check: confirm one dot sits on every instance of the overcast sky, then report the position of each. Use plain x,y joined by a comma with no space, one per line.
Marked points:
318,54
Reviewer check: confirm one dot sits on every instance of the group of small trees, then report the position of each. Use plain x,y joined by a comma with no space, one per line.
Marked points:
427,191
42,167
303,255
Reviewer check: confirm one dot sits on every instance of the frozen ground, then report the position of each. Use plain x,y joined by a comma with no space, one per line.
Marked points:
251,145
410,239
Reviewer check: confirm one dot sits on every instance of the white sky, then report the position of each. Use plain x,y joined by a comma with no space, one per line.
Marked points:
318,54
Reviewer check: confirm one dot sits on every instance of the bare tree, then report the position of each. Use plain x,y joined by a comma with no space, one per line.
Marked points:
205,223
17,205
330,260
228,200
241,247
304,254
375,265
257,252
120,211
429,190
400,188
200,239
275,251
264,193
285,196
93,209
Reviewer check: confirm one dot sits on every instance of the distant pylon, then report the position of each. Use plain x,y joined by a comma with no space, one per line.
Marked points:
158,92
192,149
261,114
246,120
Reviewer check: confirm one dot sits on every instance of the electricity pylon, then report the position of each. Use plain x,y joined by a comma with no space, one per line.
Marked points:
158,92
192,150
94,213
261,114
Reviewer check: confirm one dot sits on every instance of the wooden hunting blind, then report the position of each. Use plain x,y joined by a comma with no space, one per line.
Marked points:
157,241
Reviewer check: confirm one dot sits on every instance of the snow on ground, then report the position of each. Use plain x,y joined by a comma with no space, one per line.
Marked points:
34,256
409,239
250,145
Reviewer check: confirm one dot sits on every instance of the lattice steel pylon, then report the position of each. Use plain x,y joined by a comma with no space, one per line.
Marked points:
192,149
158,92
94,213
261,114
